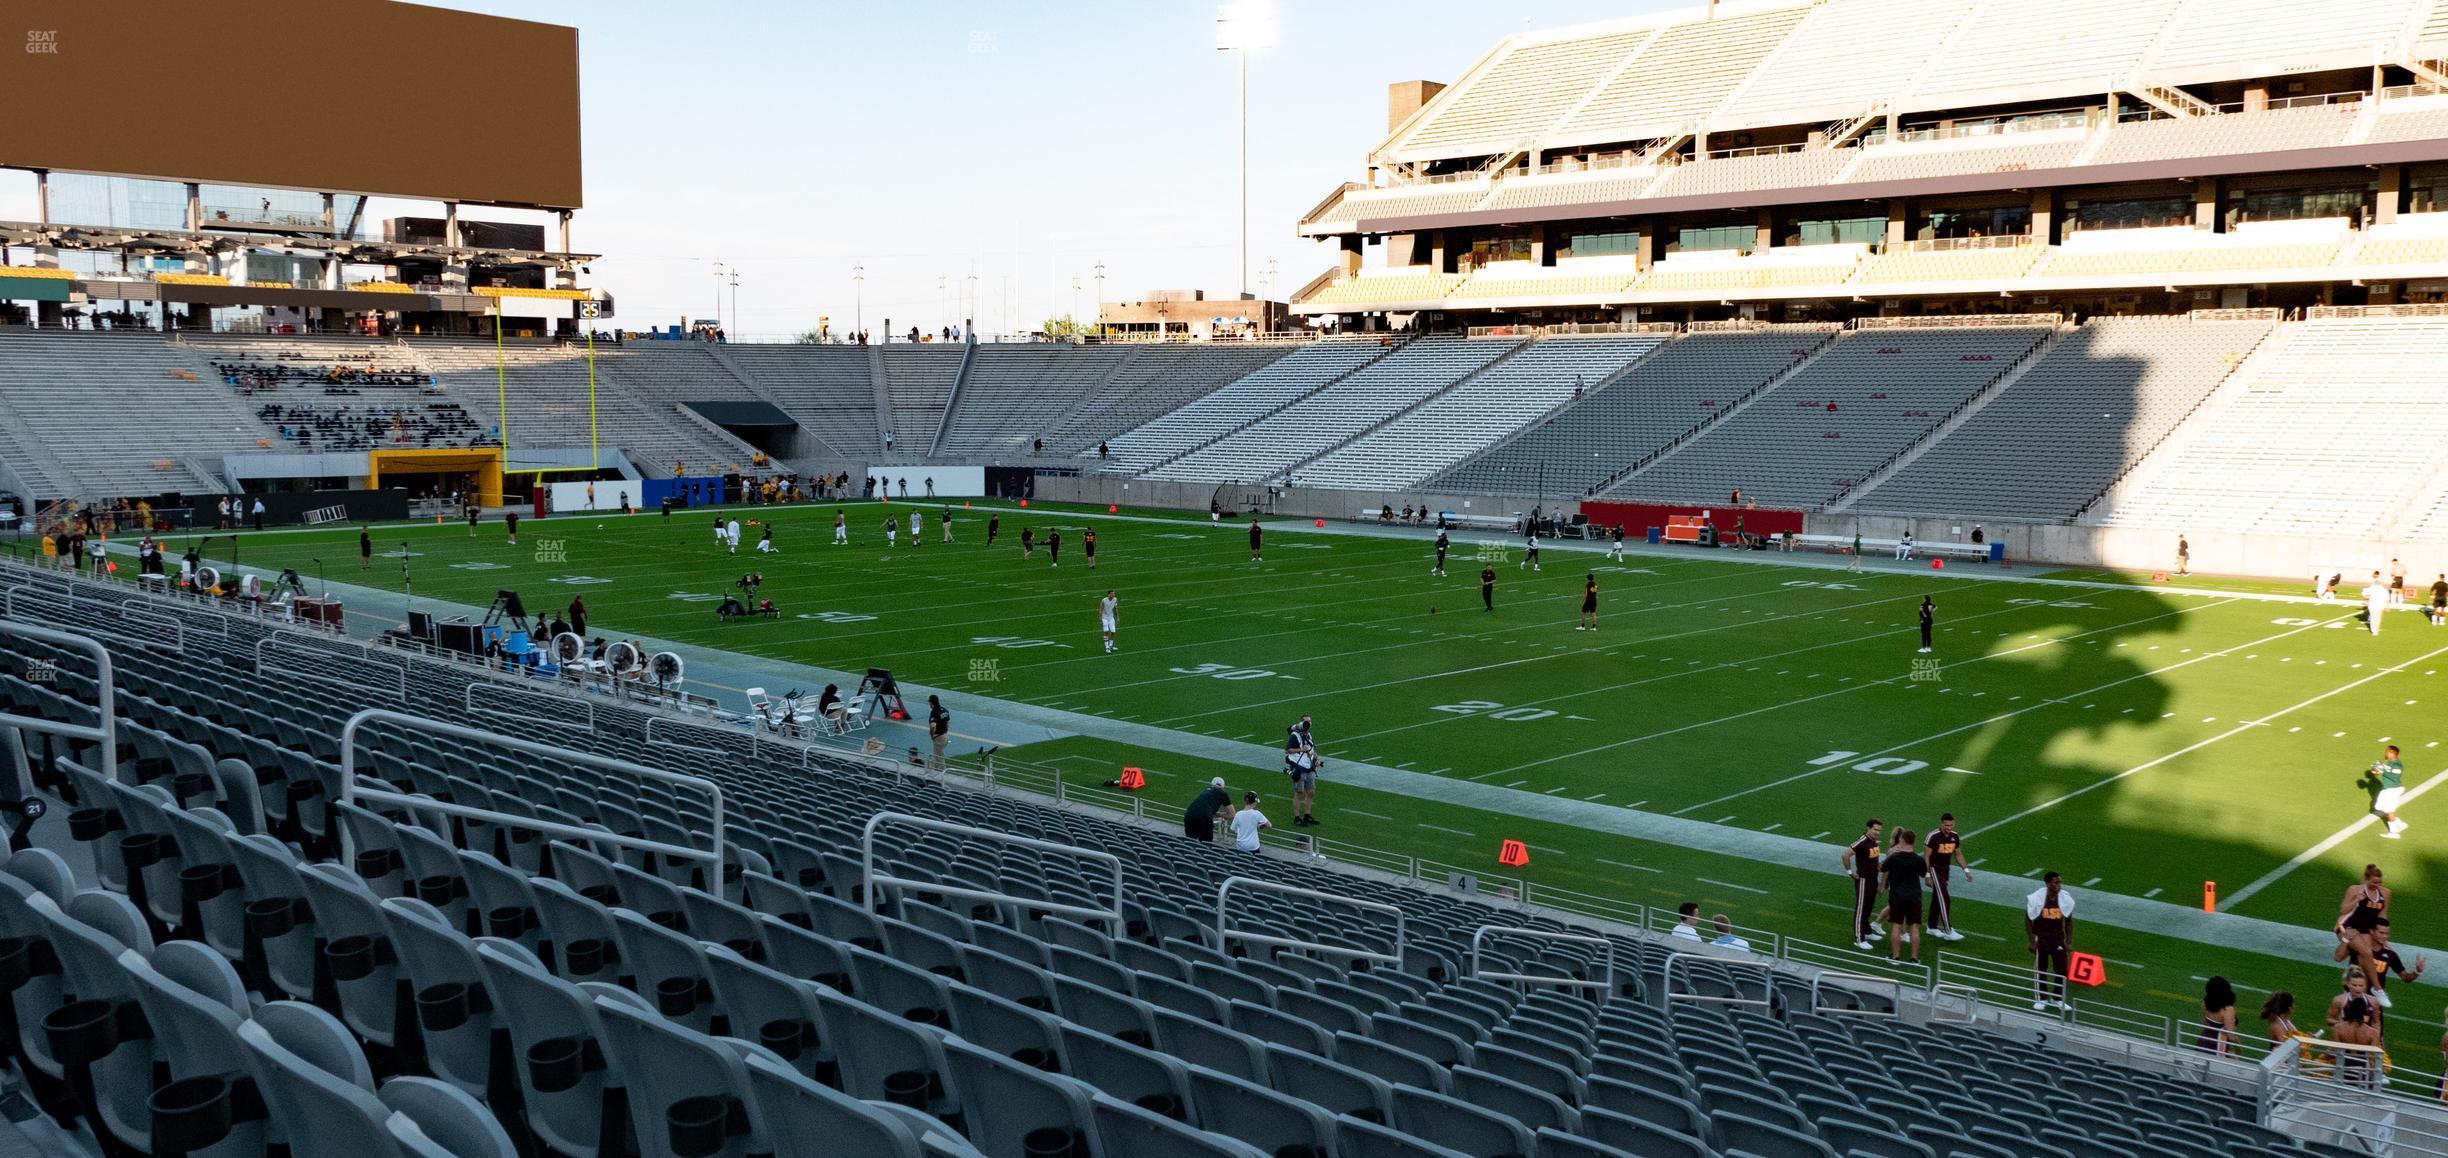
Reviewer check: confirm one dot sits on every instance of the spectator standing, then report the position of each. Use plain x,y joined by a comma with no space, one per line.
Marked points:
939,728
1247,823
2048,929
1301,764
1861,860
1944,852
2278,1013
2218,1027
259,513
578,615
1198,821
2184,556
1904,870
2365,905
2354,1019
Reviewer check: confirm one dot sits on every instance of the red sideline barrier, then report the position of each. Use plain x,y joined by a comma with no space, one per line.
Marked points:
1637,518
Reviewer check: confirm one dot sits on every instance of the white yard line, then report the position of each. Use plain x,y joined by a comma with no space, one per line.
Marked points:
2317,851
2197,745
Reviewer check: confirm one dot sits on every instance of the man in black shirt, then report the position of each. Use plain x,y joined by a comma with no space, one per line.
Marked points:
1257,537
1929,620
1443,545
1198,823
994,527
1945,850
1861,859
1487,587
1904,870
2439,601
939,728
2048,928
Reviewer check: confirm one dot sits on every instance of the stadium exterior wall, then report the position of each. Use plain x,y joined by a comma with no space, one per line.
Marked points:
2146,549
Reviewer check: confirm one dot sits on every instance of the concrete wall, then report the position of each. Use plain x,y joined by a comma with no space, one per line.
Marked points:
2123,548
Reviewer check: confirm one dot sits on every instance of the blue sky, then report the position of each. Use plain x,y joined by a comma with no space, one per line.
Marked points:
929,139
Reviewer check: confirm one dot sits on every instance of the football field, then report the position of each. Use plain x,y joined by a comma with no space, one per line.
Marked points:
2143,739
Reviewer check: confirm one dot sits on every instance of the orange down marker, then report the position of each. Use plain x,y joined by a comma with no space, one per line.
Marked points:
1513,853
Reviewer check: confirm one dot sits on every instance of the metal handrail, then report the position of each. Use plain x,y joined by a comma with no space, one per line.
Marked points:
351,793
1895,1003
1225,931
106,697
177,644
1604,984
680,746
1767,990
869,878
469,701
300,642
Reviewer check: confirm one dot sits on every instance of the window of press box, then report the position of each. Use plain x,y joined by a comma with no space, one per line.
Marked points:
1616,244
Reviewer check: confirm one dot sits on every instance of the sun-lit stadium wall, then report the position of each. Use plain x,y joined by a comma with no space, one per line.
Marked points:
570,498
1637,518
484,464
361,96
950,481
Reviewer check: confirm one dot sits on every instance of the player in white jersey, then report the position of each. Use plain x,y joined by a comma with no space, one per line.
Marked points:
731,535
1530,555
2375,602
1105,618
841,528
1615,544
917,529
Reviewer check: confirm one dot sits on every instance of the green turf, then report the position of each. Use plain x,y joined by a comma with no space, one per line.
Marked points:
2237,583
2149,739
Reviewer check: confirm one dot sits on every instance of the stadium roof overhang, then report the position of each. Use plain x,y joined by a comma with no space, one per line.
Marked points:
119,239
2188,168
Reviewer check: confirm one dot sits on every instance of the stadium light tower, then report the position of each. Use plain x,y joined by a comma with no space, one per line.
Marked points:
1242,27
718,288
858,300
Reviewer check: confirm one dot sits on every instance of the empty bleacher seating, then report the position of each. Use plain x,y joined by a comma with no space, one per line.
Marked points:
2008,49
1407,376
1157,379
2269,131
2289,448
1388,288
1680,76
1679,386
1015,393
1521,91
918,384
94,412
1417,446
1239,402
1946,261
1844,59
546,385
1867,397
2277,36
2086,411
828,389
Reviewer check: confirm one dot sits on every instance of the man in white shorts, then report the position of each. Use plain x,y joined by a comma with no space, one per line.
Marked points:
1904,547
731,535
2388,774
841,528
2375,602
1105,618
